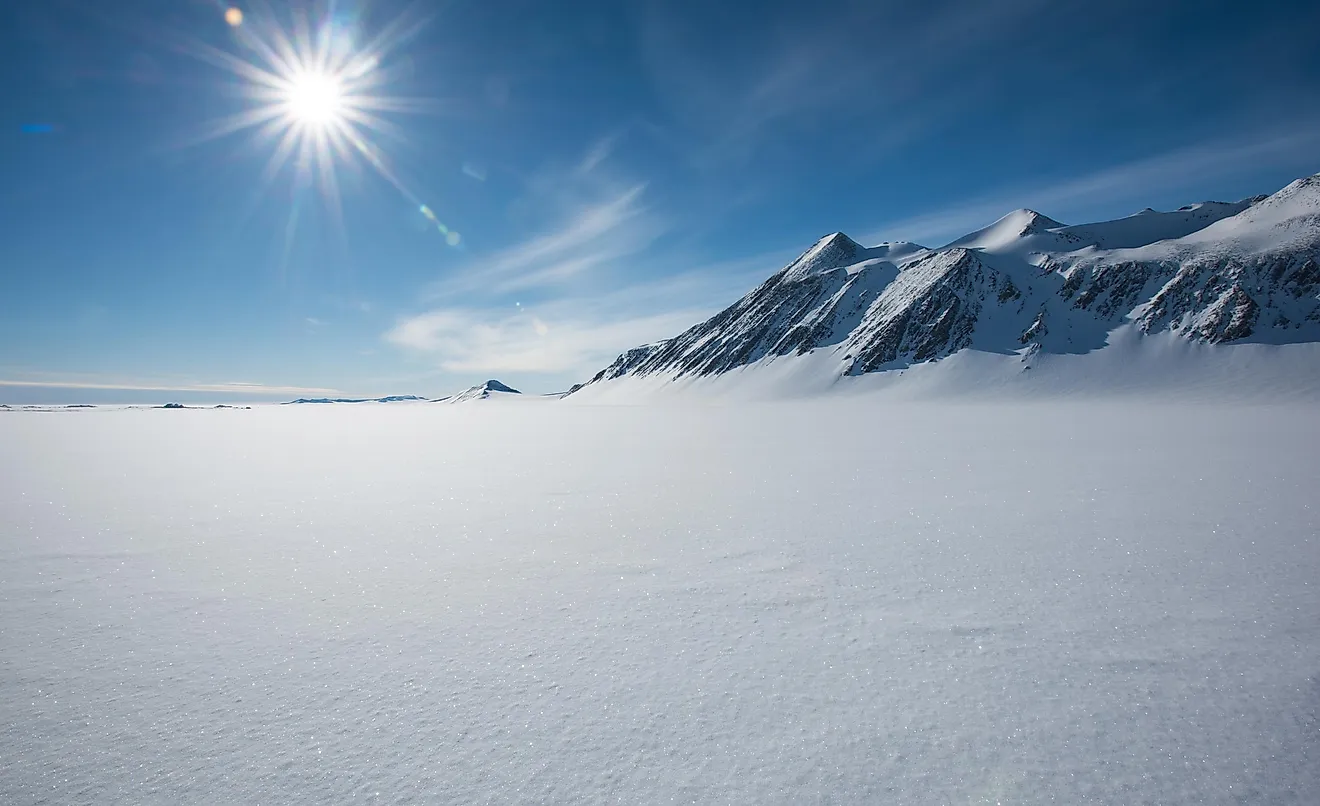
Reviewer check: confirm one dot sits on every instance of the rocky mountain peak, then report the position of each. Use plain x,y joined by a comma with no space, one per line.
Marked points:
831,252
1212,272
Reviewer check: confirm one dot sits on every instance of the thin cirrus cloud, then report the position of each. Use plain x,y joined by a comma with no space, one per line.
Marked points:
474,340
794,72
580,296
607,230
562,299
598,153
577,335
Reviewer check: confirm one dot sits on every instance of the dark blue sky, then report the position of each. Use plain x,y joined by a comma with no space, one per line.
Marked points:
615,171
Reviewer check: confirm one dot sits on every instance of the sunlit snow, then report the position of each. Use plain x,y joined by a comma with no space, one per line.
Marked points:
846,600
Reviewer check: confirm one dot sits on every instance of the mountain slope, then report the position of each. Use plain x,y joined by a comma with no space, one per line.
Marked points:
1013,230
1212,272
486,391
1148,226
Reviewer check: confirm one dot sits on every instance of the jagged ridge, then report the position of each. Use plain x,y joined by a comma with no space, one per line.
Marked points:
1213,272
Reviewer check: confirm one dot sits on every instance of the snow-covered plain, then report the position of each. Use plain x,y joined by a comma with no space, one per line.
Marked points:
845,600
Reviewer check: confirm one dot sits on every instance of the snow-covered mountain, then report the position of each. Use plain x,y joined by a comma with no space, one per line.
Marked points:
486,391
1213,272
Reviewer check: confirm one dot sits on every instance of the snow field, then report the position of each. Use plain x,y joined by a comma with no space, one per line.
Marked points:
831,601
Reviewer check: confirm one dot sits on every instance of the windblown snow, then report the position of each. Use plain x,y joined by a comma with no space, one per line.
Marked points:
847,600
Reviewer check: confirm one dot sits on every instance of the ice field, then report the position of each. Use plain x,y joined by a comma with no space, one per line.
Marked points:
829,601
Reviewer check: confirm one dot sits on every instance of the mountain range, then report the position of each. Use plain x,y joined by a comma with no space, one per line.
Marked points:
483,391
1213,272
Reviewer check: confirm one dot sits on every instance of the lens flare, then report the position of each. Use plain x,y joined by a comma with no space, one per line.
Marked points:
315,95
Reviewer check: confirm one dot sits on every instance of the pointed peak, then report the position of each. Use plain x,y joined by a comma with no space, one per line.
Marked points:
1307,184
1301,197
1009,231
1030,221
483,391
831,252
838,240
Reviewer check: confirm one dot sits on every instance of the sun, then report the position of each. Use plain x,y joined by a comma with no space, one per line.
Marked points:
315,99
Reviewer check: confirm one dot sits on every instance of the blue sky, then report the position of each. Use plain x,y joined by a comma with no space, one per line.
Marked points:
616,171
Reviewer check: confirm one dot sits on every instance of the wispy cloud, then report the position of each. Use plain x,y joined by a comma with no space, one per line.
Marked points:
567,299
229,388
598,153
806,70
564,297
465,340
577,335
592,236
1130,182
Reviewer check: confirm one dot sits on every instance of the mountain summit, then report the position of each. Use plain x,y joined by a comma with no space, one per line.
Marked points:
1009,230
1212,272
485,391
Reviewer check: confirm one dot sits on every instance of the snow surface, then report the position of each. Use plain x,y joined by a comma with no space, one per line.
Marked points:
1283,220
1023,231
897,251
1008,232
847,600
1162,367
838,251
1149,226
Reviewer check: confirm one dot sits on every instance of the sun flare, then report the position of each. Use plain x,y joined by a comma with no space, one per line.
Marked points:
315,99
